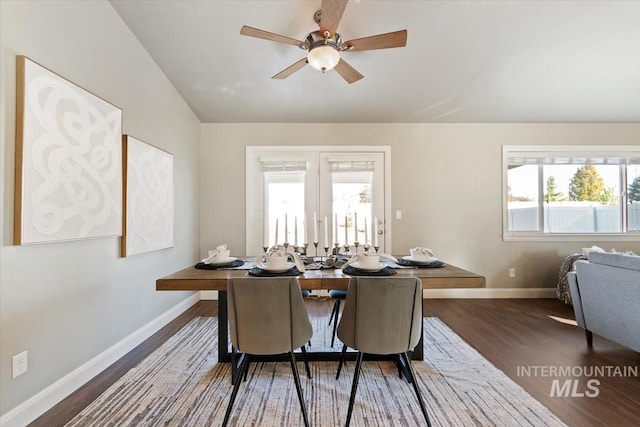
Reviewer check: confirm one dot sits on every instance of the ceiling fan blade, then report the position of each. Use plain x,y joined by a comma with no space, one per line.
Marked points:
290,69
381,41
261,34
347,72
330,15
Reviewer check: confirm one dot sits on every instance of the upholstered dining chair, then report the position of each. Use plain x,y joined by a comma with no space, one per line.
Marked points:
267,316
382,316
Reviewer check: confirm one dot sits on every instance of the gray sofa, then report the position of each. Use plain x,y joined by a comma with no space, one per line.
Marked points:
606,297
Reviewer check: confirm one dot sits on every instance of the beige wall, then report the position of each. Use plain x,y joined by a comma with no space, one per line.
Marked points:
446,180
66,303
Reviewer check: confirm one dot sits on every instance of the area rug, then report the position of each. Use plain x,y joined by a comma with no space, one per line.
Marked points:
181,384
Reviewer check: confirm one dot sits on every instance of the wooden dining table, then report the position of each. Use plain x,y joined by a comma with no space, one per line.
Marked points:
194,279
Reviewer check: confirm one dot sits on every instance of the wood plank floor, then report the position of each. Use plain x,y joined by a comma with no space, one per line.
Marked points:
513,334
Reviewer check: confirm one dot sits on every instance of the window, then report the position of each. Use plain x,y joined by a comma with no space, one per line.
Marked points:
326,195
576,191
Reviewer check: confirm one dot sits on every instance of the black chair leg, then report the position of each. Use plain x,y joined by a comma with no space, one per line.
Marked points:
412,376
296,378
341,362
306,361
243,366
333,310
354,387
335,322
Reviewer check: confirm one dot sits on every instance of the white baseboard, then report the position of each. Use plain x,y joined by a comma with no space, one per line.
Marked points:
37,405
208,295
463,293
490,293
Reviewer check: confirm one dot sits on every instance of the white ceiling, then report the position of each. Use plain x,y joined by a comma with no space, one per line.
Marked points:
465,61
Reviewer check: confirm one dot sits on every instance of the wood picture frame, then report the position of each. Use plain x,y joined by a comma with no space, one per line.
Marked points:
68,160
148,193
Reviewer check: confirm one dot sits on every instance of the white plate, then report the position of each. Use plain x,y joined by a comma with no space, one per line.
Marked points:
422,261
265,267
222,261
378,267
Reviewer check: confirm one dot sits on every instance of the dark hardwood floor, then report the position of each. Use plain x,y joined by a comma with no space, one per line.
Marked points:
514,334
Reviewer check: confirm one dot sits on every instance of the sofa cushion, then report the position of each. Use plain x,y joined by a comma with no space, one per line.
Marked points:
631,262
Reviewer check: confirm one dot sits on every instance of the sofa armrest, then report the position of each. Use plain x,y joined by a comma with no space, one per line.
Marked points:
572,278
630,262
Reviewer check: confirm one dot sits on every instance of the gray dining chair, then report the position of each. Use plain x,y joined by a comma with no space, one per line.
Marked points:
382,316
267,316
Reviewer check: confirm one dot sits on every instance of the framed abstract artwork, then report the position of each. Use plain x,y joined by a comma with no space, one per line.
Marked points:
68,171
148,209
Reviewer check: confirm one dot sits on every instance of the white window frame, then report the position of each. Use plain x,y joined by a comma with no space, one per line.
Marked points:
510,151
254,188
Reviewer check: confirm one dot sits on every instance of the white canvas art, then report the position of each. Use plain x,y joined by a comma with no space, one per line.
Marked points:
68,160
149,198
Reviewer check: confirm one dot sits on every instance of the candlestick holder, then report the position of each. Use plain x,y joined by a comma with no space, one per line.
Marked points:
326,251
286,246
376,248
296,249
305,246
336,248
346,249
357,245
315,244
366,247
265,249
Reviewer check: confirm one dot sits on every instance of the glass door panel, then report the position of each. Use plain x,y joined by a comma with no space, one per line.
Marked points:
352,197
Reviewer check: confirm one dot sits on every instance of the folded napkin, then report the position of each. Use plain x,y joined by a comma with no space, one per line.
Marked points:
369,253
219,253
423,251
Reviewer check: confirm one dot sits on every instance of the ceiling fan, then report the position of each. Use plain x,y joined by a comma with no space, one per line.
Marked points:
325,45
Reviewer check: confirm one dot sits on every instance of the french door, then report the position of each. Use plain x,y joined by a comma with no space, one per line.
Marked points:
324,195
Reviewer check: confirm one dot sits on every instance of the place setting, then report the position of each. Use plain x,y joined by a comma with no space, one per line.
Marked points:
219,258
421,258
277,261
368,264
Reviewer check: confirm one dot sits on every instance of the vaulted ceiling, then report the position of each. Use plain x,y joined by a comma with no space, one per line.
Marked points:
465,61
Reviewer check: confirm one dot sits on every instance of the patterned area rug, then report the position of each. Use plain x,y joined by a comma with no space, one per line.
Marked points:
181,384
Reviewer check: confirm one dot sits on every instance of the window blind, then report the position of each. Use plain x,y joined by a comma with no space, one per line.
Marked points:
352,166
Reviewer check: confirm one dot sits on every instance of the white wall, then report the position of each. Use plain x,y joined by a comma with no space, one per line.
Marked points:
437,172
66,303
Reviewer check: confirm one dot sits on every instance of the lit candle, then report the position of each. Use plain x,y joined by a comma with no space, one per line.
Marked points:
286,229
375,232
346,237
295,231
276,242
366,236
315,227
335,228
355,227
326,233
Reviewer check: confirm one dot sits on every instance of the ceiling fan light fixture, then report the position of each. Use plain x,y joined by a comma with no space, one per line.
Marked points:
323,57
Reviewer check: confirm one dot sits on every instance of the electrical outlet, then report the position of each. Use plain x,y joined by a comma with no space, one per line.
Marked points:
512,272
19,364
